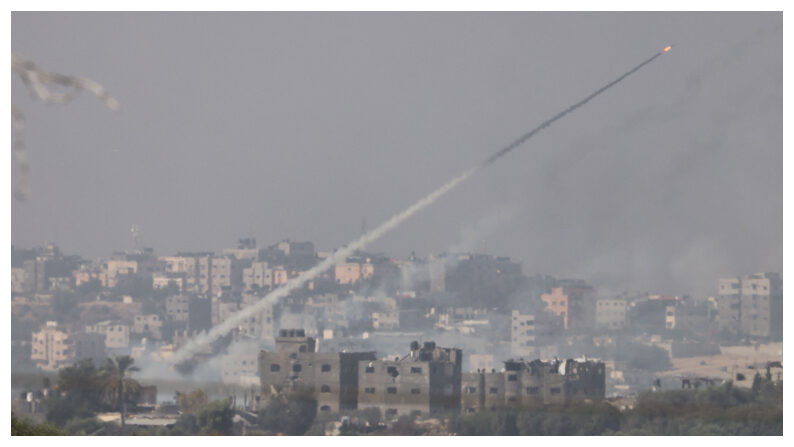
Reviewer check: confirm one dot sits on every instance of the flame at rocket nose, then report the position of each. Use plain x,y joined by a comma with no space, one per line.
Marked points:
667,49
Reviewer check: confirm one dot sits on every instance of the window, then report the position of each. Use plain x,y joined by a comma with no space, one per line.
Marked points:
275,367
296,367
471,389
391,412
391,390
493,390
512,377
416,370
326,368
325,389
532,390
370,369
392,370
369,390
415,391
325,408
555,390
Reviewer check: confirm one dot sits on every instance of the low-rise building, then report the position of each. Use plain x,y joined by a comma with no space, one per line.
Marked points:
531,383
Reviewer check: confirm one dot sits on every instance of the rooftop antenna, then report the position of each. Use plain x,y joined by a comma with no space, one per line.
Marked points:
135,231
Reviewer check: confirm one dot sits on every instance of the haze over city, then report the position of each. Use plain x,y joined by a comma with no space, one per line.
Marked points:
466,224
667,182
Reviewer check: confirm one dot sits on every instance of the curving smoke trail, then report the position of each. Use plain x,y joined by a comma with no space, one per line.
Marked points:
189,349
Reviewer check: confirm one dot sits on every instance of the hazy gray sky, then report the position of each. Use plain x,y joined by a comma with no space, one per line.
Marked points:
279,125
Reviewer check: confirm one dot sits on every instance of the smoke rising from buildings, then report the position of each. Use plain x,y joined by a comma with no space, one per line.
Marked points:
341,254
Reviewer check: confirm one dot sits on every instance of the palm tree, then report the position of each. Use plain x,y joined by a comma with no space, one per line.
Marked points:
116,386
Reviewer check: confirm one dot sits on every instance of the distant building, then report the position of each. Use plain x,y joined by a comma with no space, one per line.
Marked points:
53,348
257,276
117,334
177,308
576,305
751,305
162,280
537,382
611,313
148,325
522,335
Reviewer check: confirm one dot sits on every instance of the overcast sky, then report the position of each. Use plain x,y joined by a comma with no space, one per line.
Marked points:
297,126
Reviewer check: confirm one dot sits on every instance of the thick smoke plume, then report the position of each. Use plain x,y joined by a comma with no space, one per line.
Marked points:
340,255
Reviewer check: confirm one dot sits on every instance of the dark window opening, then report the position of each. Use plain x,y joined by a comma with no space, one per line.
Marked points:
415,391
326,368
391,390
296,368
370,369
275,368
325,389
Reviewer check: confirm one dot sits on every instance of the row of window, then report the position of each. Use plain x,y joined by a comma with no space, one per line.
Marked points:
391,390
531,390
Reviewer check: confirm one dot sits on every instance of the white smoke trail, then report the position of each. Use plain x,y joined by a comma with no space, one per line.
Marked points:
222,329
189,349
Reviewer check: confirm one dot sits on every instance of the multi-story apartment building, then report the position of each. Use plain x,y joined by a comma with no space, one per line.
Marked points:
177,308
751,305
148,325
52,347
576,305
522,335
257,276
116,333
611,313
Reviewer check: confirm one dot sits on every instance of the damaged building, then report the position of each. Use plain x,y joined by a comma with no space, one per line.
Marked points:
427,380
331,378
532,383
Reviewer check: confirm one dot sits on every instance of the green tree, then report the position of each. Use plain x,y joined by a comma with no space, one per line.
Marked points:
117,388
21,427
77,394
217,418
192,402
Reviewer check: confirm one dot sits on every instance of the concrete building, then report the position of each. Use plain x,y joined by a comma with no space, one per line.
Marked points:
148,325
117,268
177,308
53,348
522,335
257,276
611,313
751,305
116,333
162,280
330,377
227,273
427,381
576,305
533,383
